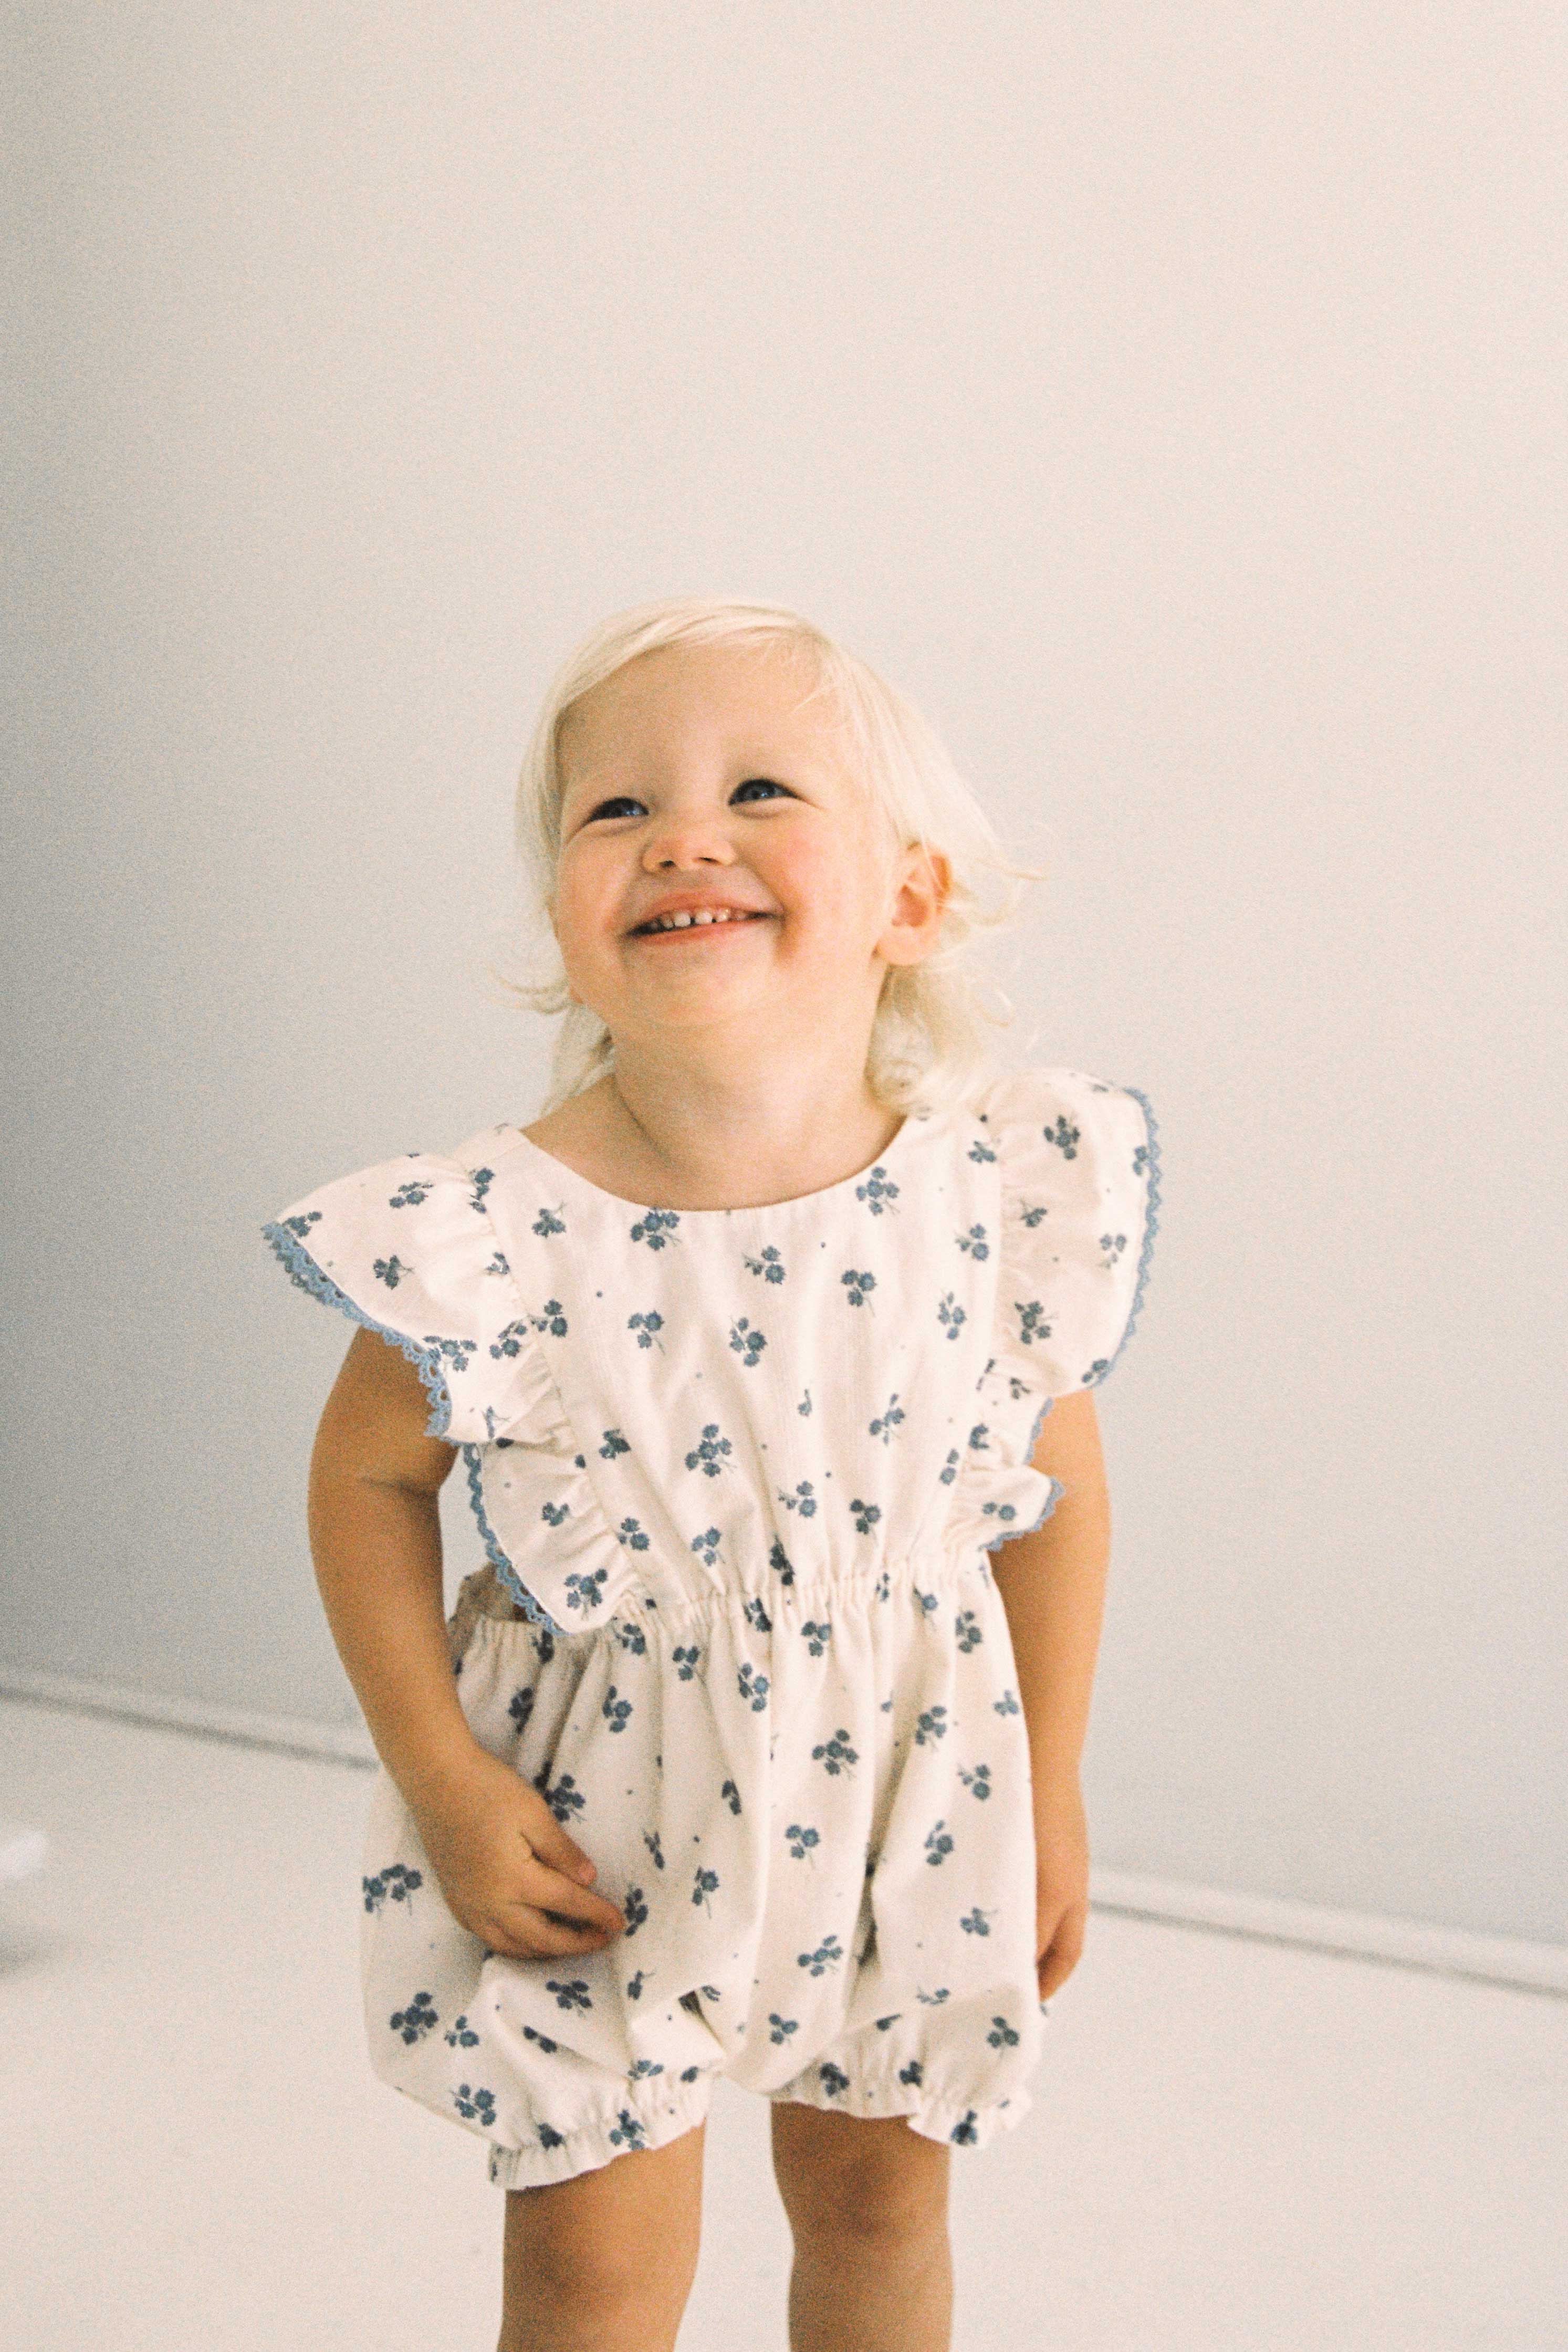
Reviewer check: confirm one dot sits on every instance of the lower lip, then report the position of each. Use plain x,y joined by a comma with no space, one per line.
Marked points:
696,932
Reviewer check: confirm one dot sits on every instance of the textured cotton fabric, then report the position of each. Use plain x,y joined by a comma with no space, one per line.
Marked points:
738,1474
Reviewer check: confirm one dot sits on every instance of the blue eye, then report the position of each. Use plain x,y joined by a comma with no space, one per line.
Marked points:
629,800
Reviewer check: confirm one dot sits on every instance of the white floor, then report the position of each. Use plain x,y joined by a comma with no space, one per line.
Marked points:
1235,2146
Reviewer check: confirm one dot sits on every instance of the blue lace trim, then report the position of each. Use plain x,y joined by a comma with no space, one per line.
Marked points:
498,1559
298,1262
1151,1225
1054,1496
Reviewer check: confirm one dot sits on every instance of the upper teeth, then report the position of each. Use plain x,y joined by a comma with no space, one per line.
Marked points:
701,915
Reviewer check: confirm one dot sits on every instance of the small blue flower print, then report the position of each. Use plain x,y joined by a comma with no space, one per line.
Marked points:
963,2132
550,2137
803,1500
883,2022
1030,1217
1032,1324
781,2028
478,2107
643,2068
756,1614
393,1885
835,2081
616,1710
914,2074
817,1635
927,1600
949,1471
654,1227
552,1514
416,2020
1113,1245
1006,1705
939,1843
1064,1135
650,1838
706,1547
390,1270
747,1341
411,1194
552,1318
864,1514
628,2132
836,1755
933,1999
976,1922
613,1443
779,1561
547,1223
508,1343
635,1985
802,1840
975,1242
648,1329
877,1192
519,1706
980,1152
689,2073
1001,2036
932,1726
804,1407
826,1956
630,1637
545,2043
978,1782
888,1420
586,1591
731,1796
769,1264
462,2035
634,1909
686,1661
704,1883
572,1994
979,1438
859,1287
752,1688
883,1586
565,1798
950,1315
966,1626
710,1454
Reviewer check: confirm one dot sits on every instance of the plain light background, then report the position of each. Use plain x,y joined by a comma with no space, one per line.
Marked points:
1170,401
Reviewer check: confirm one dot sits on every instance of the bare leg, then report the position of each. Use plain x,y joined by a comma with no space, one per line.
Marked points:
866,2200
607,2258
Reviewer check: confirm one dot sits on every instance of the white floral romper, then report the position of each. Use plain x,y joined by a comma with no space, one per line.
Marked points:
738,1472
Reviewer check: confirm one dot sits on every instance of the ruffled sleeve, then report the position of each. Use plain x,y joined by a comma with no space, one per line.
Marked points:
408,1249
1080,1188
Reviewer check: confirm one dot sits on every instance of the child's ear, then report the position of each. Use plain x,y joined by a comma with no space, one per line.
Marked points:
924,878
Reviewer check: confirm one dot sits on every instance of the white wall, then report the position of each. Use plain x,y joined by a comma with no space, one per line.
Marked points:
1171,400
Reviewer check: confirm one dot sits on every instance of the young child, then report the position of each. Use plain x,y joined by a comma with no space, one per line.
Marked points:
754,1749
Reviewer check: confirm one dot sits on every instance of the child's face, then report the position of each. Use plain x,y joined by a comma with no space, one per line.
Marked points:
695,769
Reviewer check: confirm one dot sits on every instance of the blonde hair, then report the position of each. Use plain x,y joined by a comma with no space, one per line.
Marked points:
928,1049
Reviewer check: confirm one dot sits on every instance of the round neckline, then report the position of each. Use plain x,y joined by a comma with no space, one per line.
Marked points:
884,1159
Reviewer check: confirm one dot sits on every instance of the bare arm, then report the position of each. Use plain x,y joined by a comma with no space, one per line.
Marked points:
1052,1583
509,1872
376,1540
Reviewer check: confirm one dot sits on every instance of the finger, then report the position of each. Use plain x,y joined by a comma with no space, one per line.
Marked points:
552,1845
529,1933
546,1890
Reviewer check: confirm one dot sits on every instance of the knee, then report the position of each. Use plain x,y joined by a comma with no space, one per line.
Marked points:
883,2187
610,2282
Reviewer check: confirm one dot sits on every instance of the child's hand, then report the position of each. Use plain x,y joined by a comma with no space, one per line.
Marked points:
507,1868
1061,1884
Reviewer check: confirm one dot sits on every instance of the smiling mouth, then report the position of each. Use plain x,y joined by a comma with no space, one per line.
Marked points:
696,929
